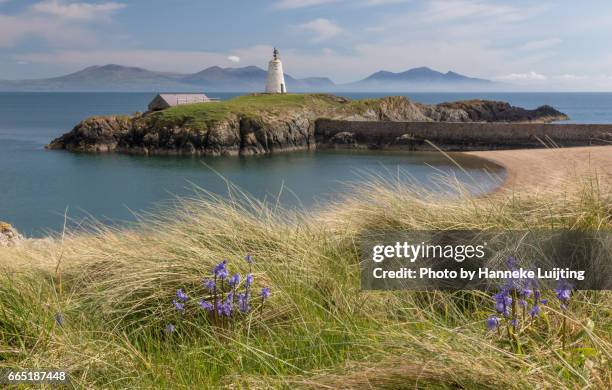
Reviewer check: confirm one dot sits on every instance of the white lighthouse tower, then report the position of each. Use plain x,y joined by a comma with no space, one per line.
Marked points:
276,79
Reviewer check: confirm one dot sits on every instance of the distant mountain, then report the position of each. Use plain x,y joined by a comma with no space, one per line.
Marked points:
244,79
218,75
124,78
101,78
419,78
249,78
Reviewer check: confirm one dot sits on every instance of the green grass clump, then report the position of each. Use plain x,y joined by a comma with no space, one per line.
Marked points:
203,114
318,330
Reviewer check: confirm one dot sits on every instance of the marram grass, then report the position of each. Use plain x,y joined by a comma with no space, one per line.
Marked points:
113,292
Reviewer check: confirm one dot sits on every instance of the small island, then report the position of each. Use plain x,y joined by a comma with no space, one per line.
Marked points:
268,123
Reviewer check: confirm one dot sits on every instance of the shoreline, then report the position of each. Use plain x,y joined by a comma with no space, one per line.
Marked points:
539,170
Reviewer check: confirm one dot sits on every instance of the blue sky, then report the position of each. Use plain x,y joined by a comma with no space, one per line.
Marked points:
540,45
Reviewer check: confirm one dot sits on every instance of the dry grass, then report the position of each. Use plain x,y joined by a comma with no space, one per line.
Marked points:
114,287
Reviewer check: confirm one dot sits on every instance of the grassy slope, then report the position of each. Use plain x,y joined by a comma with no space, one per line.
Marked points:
318,329
201,114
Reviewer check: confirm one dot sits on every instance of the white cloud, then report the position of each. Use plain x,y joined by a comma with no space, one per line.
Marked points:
569,77
55,33
322,29
529,76
446,10
53,22
234,58
84,11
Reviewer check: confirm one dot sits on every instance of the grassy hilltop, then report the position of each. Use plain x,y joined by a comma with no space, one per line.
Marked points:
255,104
98,304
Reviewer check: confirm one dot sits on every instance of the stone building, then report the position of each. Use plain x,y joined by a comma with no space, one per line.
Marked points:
167,100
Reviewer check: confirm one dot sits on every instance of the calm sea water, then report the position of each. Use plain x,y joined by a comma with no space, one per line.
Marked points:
38,186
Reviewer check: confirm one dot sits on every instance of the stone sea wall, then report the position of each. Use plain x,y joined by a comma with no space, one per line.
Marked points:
456,136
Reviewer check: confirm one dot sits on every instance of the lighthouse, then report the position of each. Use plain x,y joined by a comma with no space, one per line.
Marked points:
276,79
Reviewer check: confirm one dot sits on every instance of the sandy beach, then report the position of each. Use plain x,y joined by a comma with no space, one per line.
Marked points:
545,169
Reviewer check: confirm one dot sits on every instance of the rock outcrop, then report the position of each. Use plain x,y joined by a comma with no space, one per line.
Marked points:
256,124
9,236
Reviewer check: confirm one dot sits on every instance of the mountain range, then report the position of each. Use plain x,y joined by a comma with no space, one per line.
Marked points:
245,79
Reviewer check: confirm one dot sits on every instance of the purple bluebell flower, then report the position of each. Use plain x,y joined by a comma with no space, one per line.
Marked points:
535,311
522,302
537,298
59,319
222,274
209,284
234,280
180,294
514,322
249,280
243,302
265,293
206,305
249,259
563,292
178,305
502,302
492,322
226,309
526,292
222,266
170,328
219,308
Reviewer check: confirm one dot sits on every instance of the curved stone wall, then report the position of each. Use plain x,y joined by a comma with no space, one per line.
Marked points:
456,136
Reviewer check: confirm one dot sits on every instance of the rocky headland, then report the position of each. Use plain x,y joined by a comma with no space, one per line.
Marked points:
260,123
9,236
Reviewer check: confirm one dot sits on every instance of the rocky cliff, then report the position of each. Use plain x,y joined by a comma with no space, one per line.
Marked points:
9,236
260,123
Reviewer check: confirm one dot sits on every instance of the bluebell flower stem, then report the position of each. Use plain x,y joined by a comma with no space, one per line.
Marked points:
514,311
563,329
214,311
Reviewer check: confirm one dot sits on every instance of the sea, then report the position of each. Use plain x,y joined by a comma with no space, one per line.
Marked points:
42,191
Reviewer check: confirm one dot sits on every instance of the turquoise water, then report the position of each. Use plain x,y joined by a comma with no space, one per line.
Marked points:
38,186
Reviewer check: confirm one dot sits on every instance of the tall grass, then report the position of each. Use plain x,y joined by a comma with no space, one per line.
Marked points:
114,289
